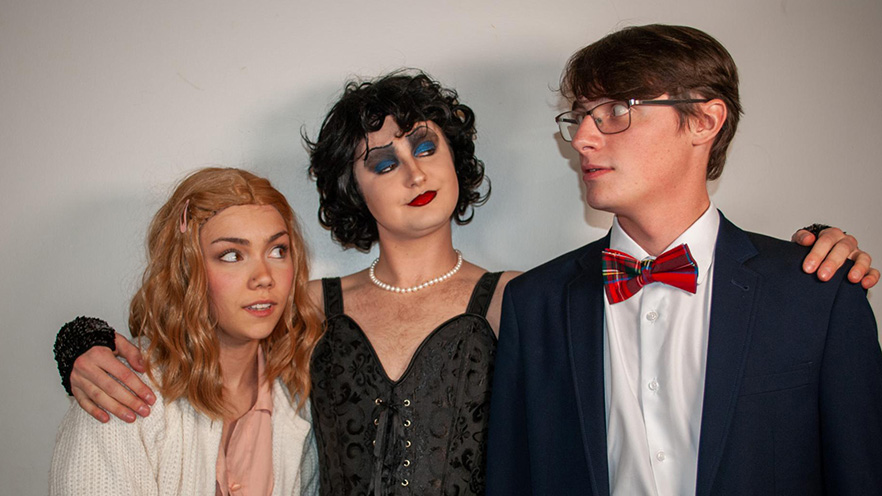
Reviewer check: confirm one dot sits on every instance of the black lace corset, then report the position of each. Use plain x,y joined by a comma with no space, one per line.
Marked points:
424,434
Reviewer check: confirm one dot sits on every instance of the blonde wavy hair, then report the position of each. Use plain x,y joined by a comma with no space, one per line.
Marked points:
171,309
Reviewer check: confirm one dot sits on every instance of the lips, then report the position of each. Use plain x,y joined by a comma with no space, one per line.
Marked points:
590,171
423,199
260,308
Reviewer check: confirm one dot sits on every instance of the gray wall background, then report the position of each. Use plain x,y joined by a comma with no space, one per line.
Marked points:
106,104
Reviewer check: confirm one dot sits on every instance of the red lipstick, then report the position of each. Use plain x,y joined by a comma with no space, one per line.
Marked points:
423,199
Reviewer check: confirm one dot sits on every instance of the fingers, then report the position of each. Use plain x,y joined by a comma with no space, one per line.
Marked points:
803,237
100,377
829,252
130,352
861,271
861,265
95,401
871,279
90,408
118,373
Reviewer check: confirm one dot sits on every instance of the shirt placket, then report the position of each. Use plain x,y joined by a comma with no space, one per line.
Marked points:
654,392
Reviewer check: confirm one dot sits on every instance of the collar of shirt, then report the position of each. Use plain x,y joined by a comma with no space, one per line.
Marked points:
701,237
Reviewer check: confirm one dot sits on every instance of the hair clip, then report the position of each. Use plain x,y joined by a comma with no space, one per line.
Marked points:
184,217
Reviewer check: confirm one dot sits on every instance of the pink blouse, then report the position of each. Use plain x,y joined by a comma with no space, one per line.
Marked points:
245,468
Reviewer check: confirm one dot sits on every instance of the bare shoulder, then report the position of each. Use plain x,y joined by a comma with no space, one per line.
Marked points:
495,311
315,292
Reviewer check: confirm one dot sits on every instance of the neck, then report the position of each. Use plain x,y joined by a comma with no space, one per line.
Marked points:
408,262
238,364
655,227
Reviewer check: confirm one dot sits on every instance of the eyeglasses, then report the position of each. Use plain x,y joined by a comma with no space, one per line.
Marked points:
611,117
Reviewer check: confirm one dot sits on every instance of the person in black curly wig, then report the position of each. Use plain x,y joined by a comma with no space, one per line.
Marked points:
408,97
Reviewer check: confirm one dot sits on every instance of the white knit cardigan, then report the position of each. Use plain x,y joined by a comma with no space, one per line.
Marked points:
173,451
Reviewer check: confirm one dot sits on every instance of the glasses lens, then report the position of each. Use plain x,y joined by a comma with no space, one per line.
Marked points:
568,122
612,117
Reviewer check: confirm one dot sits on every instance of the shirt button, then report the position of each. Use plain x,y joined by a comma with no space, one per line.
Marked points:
652,316
653,385
235,486
660,455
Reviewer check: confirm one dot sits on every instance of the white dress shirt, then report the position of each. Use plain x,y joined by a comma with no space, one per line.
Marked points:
655,351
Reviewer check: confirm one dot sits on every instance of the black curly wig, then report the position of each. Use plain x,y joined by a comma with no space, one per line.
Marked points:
409,97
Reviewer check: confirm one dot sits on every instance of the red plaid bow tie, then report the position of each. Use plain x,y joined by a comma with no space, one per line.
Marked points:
624,275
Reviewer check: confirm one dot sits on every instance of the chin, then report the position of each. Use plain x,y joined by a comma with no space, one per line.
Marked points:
598,203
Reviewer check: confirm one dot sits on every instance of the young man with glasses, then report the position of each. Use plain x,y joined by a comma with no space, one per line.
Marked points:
678,354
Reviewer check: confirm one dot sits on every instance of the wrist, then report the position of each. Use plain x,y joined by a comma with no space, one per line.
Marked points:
77,337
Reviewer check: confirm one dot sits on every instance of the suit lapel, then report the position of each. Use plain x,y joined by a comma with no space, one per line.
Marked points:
734,290
585,336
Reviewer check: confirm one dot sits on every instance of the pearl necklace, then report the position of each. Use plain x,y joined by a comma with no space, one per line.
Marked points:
412,289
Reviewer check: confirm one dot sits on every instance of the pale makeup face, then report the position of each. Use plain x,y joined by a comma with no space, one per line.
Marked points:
408,181
639,168
249,269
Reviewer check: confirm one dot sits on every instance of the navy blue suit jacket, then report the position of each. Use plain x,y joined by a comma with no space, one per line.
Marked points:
793,387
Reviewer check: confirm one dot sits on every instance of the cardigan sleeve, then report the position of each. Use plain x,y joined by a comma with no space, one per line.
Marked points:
91,458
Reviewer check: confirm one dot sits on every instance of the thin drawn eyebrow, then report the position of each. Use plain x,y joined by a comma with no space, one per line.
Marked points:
376,148
408,135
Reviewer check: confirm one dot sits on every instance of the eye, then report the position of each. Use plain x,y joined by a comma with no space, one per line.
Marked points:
424,149
280,251
230,256
618,109
384,166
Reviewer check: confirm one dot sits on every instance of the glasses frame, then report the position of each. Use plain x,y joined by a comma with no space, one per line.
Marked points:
631,102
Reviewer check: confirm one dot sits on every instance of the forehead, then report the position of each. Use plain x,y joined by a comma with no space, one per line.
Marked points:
583,103
245,221
385,134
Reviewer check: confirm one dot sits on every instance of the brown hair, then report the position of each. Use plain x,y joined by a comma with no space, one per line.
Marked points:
171,308
647,61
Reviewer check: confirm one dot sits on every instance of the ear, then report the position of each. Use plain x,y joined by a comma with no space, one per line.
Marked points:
707,124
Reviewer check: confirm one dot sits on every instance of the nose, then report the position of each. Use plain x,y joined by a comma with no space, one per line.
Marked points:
416,175
587,137
262,276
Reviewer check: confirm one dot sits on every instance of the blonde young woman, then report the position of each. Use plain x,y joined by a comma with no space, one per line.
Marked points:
226,328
